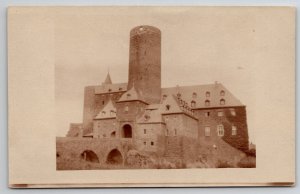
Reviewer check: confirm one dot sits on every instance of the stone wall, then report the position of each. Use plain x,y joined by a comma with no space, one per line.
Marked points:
106,128
228,120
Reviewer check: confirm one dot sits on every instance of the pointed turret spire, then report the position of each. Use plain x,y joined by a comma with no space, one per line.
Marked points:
108,79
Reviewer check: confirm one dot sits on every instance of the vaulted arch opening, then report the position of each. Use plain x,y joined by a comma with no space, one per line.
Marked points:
127,131
89,156
114,157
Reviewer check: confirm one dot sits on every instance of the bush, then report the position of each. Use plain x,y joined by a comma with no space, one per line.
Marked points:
247,162
251,152
223,164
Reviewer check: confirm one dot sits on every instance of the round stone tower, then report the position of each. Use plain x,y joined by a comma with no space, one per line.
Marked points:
145,62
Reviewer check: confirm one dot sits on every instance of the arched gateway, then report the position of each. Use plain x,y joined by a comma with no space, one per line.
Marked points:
114,157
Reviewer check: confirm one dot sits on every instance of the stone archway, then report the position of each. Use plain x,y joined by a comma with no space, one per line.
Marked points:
89,156
114,157
127,131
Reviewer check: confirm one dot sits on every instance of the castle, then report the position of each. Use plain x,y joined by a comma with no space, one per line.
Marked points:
181,123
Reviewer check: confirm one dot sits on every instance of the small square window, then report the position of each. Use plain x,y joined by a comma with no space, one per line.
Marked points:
233,113
220,114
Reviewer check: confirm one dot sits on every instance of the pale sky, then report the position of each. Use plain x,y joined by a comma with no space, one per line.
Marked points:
199,46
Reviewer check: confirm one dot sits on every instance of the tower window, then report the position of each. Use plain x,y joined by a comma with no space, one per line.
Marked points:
103,102
168,107
193,104
207,114
194,95
207,94
220,129
207,103
207,131
234,130
222,93
175,132
152,143
222,101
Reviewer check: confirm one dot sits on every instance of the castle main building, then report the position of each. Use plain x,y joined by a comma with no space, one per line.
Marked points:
179,123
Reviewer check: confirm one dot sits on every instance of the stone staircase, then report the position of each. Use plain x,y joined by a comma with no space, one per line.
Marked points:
174,149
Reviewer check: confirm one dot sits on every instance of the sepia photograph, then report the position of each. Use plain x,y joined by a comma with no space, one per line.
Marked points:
144,121
182,96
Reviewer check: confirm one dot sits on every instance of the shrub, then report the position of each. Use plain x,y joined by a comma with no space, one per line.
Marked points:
223,164
247,162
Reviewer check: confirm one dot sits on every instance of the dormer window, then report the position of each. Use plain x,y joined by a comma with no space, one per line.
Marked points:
193,104
128,96
207,94
222,93
207,103
112,113
109,90
222,101
194,95
120,89
168,107
178,95
103,113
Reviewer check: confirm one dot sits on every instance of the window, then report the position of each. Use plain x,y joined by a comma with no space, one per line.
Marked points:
207,103
120,89
194,95
207,131
164,97
193,104
222,102
128,96
232,111
145,143
152,143
126,109
207,114
175,132
168,107
207,94
145,131
222,93
103,102
103,113
178,95
109,90
220,129
234,130
220,113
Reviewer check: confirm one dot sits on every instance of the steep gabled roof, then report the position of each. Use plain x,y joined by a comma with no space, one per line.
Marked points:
108,111
151,116
186,93
131,95
170,105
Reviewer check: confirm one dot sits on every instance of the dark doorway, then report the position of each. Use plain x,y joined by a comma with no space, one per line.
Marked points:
114,157
89,156
127,131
